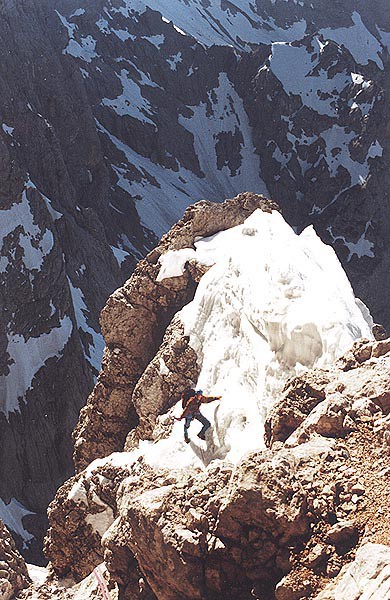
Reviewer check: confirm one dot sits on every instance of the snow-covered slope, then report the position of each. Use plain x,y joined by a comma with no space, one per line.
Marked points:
273,304
269,305
238,23
173,84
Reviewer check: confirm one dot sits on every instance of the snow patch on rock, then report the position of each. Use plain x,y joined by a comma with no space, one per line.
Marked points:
94,348
131,102
162,194
26,358
358,40
238,24
12,515
36,244
295,67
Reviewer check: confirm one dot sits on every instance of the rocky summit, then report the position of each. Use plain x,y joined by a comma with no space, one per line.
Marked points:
287,496
115,117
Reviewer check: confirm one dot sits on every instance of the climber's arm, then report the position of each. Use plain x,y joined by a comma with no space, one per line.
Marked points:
207,399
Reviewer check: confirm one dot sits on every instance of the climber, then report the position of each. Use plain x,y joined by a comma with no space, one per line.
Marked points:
191,401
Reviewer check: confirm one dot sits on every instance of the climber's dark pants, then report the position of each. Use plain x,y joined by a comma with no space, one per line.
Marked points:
199,417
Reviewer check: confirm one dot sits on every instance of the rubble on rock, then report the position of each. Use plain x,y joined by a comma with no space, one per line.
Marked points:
13,570
280,522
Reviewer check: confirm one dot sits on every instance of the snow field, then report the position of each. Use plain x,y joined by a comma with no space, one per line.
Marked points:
27,356
213,23
273,305
160,207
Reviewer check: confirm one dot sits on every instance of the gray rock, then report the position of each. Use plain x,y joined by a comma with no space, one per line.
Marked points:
368,577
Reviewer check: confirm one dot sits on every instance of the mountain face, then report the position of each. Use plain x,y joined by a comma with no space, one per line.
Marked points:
115,116
283,494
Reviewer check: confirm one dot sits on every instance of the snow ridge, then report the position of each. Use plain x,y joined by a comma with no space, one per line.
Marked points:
273,304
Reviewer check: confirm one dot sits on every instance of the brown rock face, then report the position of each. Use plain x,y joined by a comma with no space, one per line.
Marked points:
326,401
13,571
218,533
174,367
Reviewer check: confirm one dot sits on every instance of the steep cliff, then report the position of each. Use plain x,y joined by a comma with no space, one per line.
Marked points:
115,116
275,501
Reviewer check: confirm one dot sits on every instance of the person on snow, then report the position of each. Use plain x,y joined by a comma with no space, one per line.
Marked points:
191,401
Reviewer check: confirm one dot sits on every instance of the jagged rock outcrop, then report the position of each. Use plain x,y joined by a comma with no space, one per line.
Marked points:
220,533
13,571
367,577
298,511
289,517
281,521
133,324
84,510
115,117
326,402
174,367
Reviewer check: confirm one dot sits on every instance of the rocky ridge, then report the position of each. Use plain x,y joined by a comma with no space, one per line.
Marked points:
115,116
282,523
134,322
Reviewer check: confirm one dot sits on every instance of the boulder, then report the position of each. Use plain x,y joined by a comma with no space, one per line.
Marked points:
13,570
368,577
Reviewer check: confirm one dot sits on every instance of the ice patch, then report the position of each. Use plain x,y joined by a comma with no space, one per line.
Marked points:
78,492
283,158
77,13
294,67
174,60
363,246
357,78
131,102
156,40
385,37
103,25
213,24
173,262
36,244
7,129
83,49
123,34
358,40
274,304
12,515
375,150
27,357
38,575
129,247
337,154
119,254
